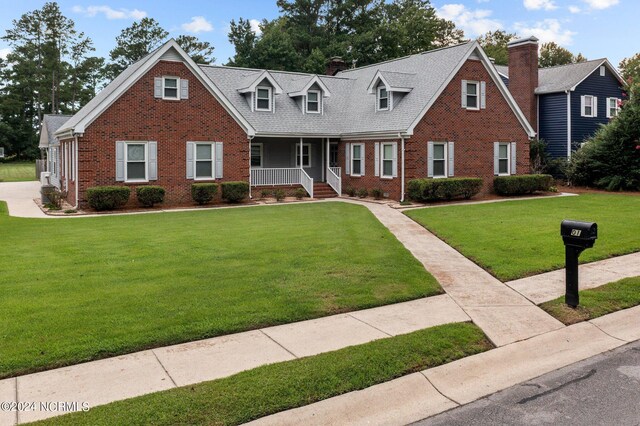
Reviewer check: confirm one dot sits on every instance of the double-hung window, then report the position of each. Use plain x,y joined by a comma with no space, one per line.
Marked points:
136,162
170,87
613,106
357,159
589,106
439,160
313,101
387,160
473,92
306,155
263,99
256,154
204,161
383,98
504,159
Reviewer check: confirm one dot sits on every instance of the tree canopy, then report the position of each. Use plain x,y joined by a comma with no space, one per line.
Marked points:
495,43
630,69
551,55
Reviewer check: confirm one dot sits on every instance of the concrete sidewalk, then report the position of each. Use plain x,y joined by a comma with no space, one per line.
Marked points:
103,381
430,392
19,198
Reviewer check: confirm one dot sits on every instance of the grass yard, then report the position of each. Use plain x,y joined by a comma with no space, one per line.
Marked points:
597,302
17,172
521,238
85,288
277,387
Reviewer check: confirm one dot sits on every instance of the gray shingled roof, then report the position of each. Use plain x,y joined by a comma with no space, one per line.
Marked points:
351,109
560,78
50,124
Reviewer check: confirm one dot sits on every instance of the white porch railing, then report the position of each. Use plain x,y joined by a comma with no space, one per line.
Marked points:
307,182
260,177
334,179
274,177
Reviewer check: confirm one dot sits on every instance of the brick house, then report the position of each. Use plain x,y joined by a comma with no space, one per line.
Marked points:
170,122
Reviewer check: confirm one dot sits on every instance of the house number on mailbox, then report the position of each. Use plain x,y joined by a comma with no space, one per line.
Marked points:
576,232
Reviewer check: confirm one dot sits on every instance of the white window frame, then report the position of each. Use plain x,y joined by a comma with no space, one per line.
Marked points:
477,95
361,158
318,101
602,71
583,113
261,145
195,161
146,161
508,159
298,160
383,159
164,87
379,98
270,98
617,107
445,159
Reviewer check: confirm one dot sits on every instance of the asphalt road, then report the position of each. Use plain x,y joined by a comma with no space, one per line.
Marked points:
603,390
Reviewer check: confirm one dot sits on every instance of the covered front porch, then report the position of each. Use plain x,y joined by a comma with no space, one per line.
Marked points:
295,161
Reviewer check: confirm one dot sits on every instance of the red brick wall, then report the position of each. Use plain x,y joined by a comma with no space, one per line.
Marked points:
370,180
138,116
523,79
473,132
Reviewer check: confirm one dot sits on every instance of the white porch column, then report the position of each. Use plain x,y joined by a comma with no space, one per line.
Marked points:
328,153
301,159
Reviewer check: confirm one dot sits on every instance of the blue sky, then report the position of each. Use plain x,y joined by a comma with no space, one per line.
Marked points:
596,28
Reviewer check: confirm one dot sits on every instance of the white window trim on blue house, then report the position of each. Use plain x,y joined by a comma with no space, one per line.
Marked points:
593,105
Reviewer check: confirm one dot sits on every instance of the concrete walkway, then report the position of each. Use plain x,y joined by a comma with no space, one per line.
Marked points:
19,198
127,376
503,314
430,392
551,285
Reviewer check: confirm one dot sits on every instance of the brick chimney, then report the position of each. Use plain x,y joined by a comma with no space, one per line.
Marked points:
523,76
336,64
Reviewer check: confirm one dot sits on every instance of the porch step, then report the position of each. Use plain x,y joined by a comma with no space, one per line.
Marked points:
323,190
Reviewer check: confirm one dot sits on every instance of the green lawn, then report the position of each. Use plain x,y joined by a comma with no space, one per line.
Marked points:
597,302
17,172
515,239
78,289
277,387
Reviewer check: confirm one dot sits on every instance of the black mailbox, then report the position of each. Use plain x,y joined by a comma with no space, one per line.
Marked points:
579,234
577,237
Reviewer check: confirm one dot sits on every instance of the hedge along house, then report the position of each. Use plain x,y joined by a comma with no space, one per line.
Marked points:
170,122
568,102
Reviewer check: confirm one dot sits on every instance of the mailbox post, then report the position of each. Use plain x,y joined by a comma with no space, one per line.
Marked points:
577,236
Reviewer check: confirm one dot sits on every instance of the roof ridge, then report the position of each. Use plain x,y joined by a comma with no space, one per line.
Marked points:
300,73
574,63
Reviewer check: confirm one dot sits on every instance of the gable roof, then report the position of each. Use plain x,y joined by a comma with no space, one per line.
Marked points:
393,81
252,80
300,86
50,124
119,85
565,77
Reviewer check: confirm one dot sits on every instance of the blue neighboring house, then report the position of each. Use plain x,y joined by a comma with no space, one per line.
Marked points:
573,101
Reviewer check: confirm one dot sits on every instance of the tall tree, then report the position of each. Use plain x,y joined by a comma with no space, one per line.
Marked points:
243,39
134,43
630,69
552,55
200,51
495,43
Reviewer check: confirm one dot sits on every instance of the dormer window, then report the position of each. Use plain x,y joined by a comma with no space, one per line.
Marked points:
383,99
170,88
263,99
313,101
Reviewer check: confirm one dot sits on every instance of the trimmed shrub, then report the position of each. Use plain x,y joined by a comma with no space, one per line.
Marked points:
107,197
202,193
377,193
362,193
234,192
279,194
350,191
522,184
424,190
150,195
265,193
300,193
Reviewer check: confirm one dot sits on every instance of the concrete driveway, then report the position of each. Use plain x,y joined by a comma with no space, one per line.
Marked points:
19,197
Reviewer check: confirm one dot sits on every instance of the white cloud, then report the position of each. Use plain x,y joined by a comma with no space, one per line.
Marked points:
540,4
601,4
574,9
4,52
473,22
198,24
255,26
110,13
547,30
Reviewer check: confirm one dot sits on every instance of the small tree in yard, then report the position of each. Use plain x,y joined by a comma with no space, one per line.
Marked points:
611,158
